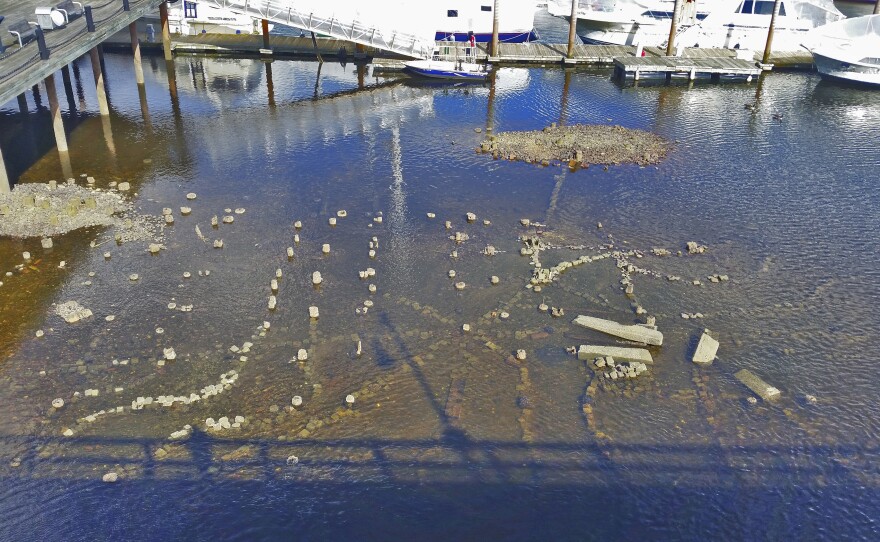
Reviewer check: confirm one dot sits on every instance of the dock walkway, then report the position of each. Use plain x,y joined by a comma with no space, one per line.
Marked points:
510,53
631,66
22,68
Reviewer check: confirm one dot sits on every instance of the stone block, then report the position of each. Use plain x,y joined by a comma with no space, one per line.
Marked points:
635,333
706,350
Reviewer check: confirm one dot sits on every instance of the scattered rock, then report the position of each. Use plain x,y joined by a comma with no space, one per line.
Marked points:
694,248
72,312
110,477
588,352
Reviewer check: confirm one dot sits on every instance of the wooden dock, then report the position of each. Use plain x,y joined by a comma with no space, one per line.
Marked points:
693,67
21,69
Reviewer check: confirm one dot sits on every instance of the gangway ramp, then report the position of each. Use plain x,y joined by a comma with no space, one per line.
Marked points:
376,23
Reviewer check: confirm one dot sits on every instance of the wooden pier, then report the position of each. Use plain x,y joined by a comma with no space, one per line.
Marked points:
716,67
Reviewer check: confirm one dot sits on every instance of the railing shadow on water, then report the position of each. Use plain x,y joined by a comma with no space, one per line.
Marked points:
436,488
453,451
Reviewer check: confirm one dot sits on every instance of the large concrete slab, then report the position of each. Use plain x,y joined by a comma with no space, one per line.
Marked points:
588,352
706,350
763,389
640,334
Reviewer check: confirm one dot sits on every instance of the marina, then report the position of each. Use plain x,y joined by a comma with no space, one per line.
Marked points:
273,288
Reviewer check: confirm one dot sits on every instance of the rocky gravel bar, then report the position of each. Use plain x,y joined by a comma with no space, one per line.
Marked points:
580,144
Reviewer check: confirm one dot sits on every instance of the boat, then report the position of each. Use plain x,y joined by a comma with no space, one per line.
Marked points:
848,50
456,18
447,69
193,18
729,24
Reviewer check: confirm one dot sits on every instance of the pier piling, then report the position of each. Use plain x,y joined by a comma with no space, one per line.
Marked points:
673,28
68,89
166,32
55,111
136,51
266,34
877,7
5,185
769,47
100,90
572,27
494,51
22,104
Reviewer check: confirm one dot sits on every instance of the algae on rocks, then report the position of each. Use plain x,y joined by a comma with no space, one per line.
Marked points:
580,143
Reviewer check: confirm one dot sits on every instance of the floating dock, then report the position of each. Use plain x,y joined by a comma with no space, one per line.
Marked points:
668,66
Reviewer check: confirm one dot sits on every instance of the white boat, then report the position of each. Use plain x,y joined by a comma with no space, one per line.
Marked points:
447,69
730,24
192,18
848,49
456,18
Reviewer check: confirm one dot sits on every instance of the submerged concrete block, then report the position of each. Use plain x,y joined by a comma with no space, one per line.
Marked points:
706,350
763,389
633,333
588,352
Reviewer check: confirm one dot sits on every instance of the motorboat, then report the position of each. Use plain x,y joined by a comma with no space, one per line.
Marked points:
447,69
730,24
192,18
848,49
626,22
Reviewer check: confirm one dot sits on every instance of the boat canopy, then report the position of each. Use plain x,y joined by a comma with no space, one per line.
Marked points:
863,31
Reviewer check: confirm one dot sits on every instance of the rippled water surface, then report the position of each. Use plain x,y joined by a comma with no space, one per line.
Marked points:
449,437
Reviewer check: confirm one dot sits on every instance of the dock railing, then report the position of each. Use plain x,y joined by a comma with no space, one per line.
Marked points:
320,17
18,59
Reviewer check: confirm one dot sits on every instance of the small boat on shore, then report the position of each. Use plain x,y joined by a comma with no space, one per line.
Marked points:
447,69
848,50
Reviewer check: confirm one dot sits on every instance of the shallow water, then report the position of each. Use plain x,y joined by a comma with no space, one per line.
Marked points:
449,437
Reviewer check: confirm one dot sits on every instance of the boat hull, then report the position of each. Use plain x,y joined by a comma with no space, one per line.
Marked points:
445,70
483,37
832,68
446,74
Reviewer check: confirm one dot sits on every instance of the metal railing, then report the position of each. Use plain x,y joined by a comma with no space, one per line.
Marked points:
294,13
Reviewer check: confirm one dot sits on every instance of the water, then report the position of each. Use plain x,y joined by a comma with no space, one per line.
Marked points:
449,438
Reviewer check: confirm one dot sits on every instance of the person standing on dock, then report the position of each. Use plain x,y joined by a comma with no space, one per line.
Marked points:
471,50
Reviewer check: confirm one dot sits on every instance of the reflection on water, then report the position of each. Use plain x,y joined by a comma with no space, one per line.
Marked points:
449,436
